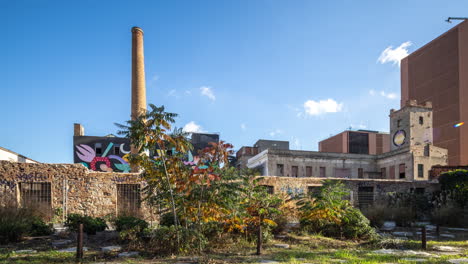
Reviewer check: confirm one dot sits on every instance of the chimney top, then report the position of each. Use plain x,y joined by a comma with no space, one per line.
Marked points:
134,29
78,130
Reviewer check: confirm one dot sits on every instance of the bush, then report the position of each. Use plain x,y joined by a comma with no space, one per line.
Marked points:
455,183
129,222
330,214
91,225
164,240
16,223
449,215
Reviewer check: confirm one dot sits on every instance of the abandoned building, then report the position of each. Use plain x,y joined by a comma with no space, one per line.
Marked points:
6,154
411,157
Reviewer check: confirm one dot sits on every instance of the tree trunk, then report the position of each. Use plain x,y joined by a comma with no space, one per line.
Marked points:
259,238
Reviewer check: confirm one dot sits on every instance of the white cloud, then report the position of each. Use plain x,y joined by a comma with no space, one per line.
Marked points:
243,127
208,92
395,55
192,127
360,126
172,92
276,132
384,94
188,92
388,95
314,108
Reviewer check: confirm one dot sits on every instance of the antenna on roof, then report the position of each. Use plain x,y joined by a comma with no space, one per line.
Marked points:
449,20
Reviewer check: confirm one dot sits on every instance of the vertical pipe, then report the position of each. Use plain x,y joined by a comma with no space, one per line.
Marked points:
423,238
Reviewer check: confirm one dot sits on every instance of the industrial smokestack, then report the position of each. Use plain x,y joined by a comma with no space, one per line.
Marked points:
138,74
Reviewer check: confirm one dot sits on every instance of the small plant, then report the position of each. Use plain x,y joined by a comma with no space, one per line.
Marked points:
91,225
123,223
15,223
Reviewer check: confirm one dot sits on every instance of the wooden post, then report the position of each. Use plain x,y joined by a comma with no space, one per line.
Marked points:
438,230
423,238
79,246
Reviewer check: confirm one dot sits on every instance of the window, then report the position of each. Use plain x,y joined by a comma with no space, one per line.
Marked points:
36,195
358,143
420,171
398,122
117,149
98,148
402,171
269,189
322,172
427,151
128,199
308,171
294,171
392,172
279,169
365,196
313,190
360,173
421,120
383,173
342,173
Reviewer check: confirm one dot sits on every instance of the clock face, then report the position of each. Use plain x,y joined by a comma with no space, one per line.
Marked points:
399,138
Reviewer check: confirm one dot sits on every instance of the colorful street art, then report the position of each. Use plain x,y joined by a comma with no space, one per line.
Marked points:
110,163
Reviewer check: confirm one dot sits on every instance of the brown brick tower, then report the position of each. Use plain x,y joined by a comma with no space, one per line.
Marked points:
138,74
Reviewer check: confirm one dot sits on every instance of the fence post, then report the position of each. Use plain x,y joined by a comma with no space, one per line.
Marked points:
79,247
423,238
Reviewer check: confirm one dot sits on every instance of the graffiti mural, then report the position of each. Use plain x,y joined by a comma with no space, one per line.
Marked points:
107,154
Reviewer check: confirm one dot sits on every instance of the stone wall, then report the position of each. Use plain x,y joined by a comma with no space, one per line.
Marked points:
297,186
74,188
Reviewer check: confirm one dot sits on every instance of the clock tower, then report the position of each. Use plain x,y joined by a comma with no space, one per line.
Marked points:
411,125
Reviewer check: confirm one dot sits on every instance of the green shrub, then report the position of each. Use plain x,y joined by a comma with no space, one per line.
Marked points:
455,183
330,214
129,222
91,225
164,240
16,223
449,215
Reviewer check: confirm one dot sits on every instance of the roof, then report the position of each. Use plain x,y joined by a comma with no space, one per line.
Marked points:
19,155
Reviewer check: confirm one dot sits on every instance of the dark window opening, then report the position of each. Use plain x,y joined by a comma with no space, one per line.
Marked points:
322,172
117,150
365,196
420,170
358,143
313,191
383,173
98,148
419,191
421,120
269,189
128,199
398,122
308,171
294,171
402,171
279,169
360,173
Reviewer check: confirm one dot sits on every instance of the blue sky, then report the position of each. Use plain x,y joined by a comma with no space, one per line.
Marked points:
248,69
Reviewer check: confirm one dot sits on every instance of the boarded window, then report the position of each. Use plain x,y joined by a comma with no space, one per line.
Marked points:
322,172
279,169
392,172
420,171
383,173
308,171
269,189
365,196
128,199
360,173
342,173
36,195
401,171
294,171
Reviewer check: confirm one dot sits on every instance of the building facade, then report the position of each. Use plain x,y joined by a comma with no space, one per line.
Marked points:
357,142
411,158
9,155
438,72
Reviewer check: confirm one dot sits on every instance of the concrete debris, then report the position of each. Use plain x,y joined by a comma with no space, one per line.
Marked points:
128,254
111,249
281,245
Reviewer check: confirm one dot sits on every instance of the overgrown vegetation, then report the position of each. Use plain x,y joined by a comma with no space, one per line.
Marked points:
91,225
16,223
330,214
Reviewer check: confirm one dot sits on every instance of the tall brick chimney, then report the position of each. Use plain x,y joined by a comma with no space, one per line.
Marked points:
138,74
